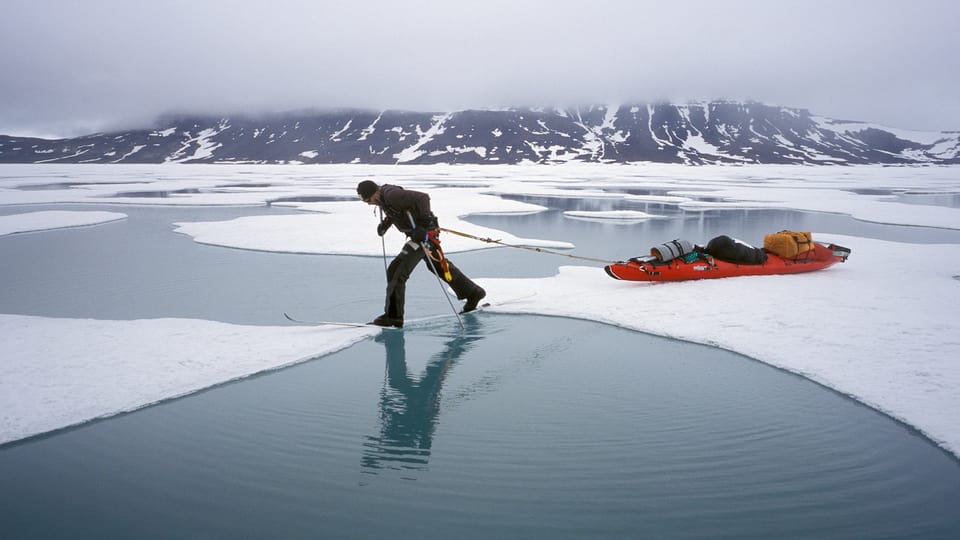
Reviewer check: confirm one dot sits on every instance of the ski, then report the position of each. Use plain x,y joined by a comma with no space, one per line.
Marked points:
501,303
367,325
338,323
480,307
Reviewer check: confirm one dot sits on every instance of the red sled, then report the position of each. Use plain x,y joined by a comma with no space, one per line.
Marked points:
700,265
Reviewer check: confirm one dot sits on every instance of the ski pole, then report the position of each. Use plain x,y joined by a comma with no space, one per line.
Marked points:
383,246
426,253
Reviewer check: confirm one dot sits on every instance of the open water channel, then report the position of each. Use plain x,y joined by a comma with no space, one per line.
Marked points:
517,427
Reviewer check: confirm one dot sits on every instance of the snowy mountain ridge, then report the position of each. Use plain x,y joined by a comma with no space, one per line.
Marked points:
693,133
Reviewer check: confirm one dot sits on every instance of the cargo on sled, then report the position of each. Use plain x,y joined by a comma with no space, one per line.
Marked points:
785,252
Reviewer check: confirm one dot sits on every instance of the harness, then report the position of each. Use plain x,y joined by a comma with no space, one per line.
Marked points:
433,236
402,220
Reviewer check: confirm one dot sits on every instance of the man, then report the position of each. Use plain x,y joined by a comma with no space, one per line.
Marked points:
409,211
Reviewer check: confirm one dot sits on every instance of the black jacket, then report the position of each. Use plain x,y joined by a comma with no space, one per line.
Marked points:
396,202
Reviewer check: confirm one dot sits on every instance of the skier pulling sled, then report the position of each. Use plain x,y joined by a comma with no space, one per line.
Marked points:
409,211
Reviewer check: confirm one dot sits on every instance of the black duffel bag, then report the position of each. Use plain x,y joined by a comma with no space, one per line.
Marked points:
733,251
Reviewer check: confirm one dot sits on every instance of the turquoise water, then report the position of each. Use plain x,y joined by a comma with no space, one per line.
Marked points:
517,427
521,427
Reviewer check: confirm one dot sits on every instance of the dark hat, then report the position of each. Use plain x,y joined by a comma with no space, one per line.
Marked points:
366,189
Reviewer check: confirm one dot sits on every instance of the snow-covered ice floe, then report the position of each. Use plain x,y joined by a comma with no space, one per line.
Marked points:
61,372
54,219
320,229
610,216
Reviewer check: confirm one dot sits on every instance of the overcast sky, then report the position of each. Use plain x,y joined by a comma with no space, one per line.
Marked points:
70,67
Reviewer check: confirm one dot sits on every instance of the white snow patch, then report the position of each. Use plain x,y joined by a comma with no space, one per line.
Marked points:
135,149
205,145
632,216
54,219
367,131
336,136
413,152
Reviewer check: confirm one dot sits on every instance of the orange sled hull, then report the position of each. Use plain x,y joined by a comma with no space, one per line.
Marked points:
707,267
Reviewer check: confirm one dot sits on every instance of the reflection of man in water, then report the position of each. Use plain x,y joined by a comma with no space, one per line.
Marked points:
408,407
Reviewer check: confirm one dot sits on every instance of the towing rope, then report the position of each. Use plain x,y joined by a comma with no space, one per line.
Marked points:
529,248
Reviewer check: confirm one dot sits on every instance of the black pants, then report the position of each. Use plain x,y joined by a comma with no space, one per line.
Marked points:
402,266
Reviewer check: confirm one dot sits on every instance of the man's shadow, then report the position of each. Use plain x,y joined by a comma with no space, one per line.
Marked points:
410,407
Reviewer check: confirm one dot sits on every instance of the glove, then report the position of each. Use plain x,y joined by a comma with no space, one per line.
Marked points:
384,226
418,235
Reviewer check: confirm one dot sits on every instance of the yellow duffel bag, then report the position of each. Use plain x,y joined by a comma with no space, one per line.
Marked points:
788,244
